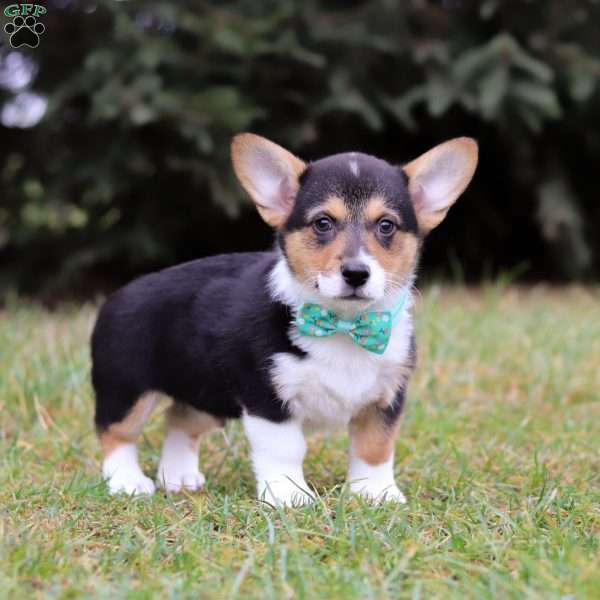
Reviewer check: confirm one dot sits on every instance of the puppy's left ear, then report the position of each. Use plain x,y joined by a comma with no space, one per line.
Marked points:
438,177
269,173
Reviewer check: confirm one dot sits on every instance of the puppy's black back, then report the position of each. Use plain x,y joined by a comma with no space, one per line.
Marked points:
202,332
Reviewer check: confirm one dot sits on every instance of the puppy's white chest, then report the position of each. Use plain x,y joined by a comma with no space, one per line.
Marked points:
336,378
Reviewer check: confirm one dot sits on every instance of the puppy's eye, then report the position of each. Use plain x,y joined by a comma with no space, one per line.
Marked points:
323,225
386,227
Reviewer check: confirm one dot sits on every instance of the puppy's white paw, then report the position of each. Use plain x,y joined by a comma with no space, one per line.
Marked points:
178,467
131,483
375,492
123,473
176,480
285,493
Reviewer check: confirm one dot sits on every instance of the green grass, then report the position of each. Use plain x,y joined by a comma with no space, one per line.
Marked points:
499,456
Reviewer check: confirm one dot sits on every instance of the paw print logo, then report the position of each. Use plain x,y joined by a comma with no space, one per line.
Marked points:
24,31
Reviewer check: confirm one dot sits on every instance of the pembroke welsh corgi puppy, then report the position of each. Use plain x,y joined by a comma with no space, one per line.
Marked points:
314,333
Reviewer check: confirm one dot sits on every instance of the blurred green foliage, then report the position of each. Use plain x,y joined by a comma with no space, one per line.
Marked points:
128,170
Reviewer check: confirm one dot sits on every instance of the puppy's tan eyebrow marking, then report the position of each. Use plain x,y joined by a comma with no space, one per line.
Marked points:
377,208
333,206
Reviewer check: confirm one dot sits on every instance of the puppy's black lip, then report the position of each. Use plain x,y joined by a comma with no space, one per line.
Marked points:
352,296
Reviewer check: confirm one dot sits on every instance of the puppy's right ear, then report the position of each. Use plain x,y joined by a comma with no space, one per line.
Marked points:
268,173
437,178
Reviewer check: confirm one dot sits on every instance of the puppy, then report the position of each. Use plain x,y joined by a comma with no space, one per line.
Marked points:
315,333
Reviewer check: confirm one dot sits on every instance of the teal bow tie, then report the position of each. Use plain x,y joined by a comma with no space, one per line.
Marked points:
370,330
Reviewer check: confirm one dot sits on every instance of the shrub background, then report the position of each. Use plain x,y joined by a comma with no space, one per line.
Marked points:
129,170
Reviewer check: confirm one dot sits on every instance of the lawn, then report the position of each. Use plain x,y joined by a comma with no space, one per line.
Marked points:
499,456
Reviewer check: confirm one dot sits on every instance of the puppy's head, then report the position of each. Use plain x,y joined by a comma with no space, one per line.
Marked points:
350,225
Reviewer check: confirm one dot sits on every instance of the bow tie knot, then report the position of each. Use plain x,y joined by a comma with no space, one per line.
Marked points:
370,330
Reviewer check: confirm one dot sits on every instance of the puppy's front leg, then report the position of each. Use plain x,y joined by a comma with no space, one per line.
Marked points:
371,466
277,451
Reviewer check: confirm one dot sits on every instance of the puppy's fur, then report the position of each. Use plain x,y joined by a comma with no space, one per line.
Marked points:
217,335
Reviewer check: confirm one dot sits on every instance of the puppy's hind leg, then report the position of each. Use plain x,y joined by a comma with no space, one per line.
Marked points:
118,440
178,468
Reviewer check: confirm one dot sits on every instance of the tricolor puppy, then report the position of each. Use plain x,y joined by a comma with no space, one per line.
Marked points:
316,333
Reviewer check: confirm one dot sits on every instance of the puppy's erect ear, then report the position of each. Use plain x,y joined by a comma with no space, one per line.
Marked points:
438,177
268,173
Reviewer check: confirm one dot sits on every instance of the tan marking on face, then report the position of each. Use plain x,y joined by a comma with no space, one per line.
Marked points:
335,207
194,422
372,437
399,259
375,209
127,430
306,256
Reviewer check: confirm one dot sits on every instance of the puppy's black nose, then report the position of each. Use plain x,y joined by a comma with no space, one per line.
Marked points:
355,273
